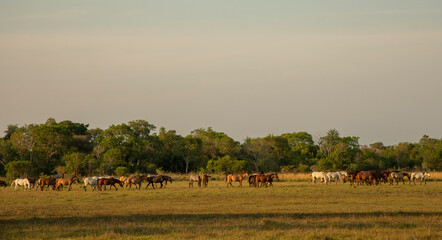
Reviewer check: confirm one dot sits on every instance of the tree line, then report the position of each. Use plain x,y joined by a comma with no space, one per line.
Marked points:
135,147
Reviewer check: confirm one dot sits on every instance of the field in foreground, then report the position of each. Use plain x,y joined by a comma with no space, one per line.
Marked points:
296,210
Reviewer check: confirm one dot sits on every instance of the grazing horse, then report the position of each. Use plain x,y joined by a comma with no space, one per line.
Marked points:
21,182
420,176
110,182
236,178
320,175
92,181
48,182
194,178
398,176
205,180
61,182
2,183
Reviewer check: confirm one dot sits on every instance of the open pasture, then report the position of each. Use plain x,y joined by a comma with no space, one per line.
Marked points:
296,210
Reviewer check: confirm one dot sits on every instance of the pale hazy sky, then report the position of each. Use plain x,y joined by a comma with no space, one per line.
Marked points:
371,69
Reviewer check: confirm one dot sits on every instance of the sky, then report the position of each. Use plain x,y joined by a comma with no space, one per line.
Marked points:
371,69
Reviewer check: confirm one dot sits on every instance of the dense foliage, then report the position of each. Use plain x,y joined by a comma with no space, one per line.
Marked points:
52,147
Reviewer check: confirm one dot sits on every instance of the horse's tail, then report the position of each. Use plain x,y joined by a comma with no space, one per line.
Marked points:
12,183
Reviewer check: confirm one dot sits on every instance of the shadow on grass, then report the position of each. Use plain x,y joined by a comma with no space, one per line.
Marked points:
159,224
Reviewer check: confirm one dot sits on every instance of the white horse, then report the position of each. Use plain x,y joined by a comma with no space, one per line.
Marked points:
21,182
334,175
320,175
92,181
420,176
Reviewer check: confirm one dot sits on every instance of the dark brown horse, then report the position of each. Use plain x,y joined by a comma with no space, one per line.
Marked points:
109,182
47,182
155,179
352,177
166,179
2,183
61,182
205,180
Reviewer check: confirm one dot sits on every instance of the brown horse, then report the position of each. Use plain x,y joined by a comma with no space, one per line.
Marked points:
366,177
47,182
109,182
252,180
205,180
2,183
236,178
135,180
352,177
61,182
155,179
166,179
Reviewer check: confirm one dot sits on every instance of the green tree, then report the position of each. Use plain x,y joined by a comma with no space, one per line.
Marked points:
226,165
75,162
18,169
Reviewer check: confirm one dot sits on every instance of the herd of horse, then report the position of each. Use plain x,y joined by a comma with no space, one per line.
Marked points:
373,177
98,183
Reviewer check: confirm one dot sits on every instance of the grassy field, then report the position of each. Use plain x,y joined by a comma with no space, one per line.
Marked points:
294,210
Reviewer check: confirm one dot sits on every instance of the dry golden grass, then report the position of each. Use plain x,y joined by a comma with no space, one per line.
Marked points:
294,210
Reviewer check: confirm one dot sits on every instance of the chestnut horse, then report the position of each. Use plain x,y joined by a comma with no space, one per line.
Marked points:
110,182
47,182
61,182
236,178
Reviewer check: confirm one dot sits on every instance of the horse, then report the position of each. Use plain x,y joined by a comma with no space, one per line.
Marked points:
166,179
155,179
135,180
408,176
32,181
420,176
109,181
123,179
92,181
353,178
334,175
205,180
365,176
396,175
319,175
252,180
61,182
47,182
194,178
21,182
236,178
3,183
